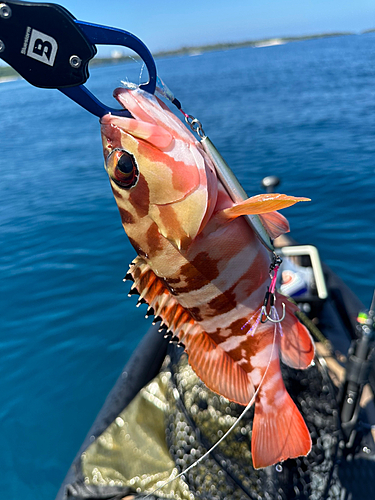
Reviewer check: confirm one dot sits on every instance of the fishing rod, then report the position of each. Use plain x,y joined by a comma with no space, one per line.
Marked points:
361,357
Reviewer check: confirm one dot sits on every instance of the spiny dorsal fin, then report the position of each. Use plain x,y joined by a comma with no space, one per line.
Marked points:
211,363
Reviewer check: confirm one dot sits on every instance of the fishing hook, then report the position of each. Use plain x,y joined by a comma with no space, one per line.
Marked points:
270,294
263,312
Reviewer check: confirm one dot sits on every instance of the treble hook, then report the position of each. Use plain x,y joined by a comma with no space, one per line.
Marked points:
270,294
270,297
268,317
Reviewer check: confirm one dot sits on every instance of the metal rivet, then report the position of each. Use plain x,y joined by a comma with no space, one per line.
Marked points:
366,450
75,61
2,46
5,11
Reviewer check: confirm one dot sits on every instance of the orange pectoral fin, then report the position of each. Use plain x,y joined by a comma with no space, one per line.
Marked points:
261,204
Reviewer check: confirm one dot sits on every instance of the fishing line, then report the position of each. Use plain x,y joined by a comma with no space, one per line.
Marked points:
164,91
272,316
140,73
276,316
130,85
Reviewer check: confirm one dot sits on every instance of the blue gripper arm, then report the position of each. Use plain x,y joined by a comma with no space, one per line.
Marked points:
97,34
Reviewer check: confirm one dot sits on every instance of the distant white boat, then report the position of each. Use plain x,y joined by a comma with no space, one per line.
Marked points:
270,42
195,53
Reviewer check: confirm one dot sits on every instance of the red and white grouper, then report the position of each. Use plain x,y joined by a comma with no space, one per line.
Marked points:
202,269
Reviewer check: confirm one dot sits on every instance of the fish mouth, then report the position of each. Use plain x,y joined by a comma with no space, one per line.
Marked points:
118,92
120,95
108,128
111,135
105,119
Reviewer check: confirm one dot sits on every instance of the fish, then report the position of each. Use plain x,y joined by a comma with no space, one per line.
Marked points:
202,270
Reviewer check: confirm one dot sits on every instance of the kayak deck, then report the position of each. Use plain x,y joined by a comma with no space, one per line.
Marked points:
331,470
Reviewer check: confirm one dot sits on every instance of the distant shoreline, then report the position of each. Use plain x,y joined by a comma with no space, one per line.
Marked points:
263,42
8,74
3,79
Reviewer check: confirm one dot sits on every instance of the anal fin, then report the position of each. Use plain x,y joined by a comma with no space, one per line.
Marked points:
296,344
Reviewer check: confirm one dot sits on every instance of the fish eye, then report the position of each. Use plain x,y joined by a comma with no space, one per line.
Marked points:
122,168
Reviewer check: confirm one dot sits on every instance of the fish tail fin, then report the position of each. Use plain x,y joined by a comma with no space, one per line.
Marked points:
279,430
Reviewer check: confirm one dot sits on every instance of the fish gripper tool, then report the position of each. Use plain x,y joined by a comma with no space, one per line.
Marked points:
50,48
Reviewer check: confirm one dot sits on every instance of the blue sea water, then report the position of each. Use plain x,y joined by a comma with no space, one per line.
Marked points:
304,111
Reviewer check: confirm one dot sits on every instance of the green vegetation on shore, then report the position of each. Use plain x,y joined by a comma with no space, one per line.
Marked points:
8,72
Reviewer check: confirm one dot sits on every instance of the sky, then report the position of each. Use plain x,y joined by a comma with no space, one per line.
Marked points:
167,24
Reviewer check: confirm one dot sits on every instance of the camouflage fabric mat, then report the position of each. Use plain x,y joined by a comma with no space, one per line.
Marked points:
198,418
175,419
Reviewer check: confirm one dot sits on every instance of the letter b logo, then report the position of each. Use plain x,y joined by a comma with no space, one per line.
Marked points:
42,47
